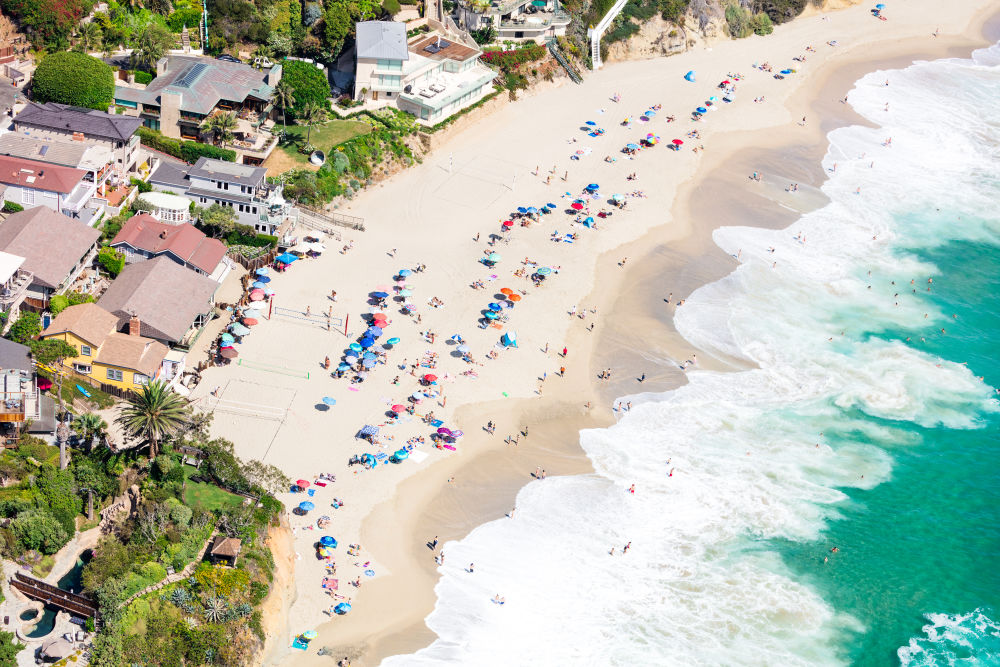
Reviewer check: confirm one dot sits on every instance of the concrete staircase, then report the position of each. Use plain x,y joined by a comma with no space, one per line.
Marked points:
595,33
561,59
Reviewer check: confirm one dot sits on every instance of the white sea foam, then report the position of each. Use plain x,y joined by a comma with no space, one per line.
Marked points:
747,455
961,639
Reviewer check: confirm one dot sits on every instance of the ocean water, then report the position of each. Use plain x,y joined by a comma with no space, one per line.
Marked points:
869,424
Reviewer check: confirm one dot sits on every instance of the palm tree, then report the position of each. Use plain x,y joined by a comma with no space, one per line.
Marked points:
89,426
152,44
283,97
90,36
312,114
154,414
221,125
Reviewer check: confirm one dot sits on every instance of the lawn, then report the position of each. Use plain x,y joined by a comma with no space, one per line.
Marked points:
207,496
324,137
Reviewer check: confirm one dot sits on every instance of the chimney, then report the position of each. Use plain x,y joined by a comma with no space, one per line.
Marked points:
133,326
163,234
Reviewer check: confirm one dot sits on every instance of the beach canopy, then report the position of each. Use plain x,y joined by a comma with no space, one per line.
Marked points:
228,353
238,329
306,506
286,258
262,271
689,76
509,339
329,401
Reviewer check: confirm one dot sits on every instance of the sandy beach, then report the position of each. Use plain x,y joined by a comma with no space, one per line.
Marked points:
270,404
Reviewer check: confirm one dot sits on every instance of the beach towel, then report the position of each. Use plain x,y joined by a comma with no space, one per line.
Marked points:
299,644
320,483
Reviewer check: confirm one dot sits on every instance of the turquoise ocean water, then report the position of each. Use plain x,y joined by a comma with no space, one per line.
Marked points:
860,425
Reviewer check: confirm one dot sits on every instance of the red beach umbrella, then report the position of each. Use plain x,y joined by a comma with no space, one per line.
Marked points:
228,353
508,223
302,484
677,142
257,295
249,321
576,206
398,408
431,378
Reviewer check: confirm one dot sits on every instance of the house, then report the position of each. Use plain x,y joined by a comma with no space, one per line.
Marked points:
63,122
31,183
142,237
123,360
20,400
169,208
55,250
189,89
97,160
243,188
14,283
535,20
171,302
225,549
431,78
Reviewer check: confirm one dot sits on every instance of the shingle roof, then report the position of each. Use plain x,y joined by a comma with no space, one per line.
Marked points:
14,355
170,174
39,175
86,320
220,170
226,546
51,243
164,295
91,122
381,39
144,232
133,352
65,153
201,82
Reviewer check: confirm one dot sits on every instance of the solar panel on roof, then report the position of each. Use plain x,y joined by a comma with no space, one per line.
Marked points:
43,150
190,75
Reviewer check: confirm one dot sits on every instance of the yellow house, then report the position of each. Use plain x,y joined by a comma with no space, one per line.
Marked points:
123,360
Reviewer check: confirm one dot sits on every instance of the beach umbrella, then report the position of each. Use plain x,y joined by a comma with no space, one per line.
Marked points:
369,355
264,279
310,634
494,306
522,210
227,338
576,206
344,367
306,506
257,295
329,401
380,320
464,349
506,290
713,98
508,223
351,358
328,541
286,258
417,396
252,312
392,341
490,315
444,431
398,408
406,292
249,321
430,377
593,186
649,114
368,363
400,454
380,295
228,353
590,122
262,271
302,484
374,331
532,209
405,272
342,608
677,142
268,291
355,347
701,110
689,76
550,205
544,271
494,257
514,297
880,6
509,339
258,285
588,221
366,342
632,147
786,71
238,329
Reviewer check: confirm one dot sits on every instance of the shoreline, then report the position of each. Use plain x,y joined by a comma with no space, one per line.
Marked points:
682,257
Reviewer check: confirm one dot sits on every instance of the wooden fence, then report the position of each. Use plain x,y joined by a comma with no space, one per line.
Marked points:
254,263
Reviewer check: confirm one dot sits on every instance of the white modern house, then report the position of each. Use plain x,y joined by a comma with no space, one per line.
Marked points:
535,20
431,77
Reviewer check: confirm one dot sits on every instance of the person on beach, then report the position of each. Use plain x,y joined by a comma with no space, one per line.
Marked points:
472,568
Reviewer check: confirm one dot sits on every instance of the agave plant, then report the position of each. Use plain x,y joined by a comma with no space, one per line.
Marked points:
215,610
180,596
242,610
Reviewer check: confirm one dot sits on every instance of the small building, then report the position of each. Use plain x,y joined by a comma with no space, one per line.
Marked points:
14,283
168,208
31,183
55,250
96,159
61,121
432,78
142,238
19,397
225,550
243,188
123,360
172,303
534,20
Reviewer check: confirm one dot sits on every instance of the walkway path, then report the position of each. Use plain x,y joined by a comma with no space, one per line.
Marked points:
172,578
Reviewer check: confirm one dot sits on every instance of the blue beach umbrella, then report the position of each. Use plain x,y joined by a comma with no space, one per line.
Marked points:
392,341
262,271
259,285
589,221
380,295
494,306
495,257
690,76
544,271
550,205
593,186
649,114
374,332
405,272
522,210
344,367
880,6
369,355
368,363
786,71
227,338
238,329
532,209
329,401
400,455
632,147
342,608
286,258
263,279
355,347
590,122
306,506
701,110
366,342
328,541
490,315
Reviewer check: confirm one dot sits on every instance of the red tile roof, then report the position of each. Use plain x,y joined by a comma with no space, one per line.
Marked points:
144,232
49,177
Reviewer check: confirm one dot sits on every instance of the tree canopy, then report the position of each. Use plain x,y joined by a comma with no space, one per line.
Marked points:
308,84
74,78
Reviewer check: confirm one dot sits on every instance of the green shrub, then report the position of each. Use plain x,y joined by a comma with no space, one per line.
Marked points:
142,185
238,237
111,261
11,207
25,327
761,24
58,303
145,78
74,78
189,151
739,21
37,529
308,84
391,7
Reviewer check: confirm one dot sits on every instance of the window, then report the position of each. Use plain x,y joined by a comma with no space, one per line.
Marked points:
254,209
203,200
27,196
82,369
85,350
115,375
139,378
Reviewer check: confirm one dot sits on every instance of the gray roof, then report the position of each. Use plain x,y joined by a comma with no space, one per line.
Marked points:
165,296
92,123
221,195
52,244
220,170
65,153
169,174
382,39
14,355
201,83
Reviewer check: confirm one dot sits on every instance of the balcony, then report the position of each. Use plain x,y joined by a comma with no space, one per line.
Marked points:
14,290
152,112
